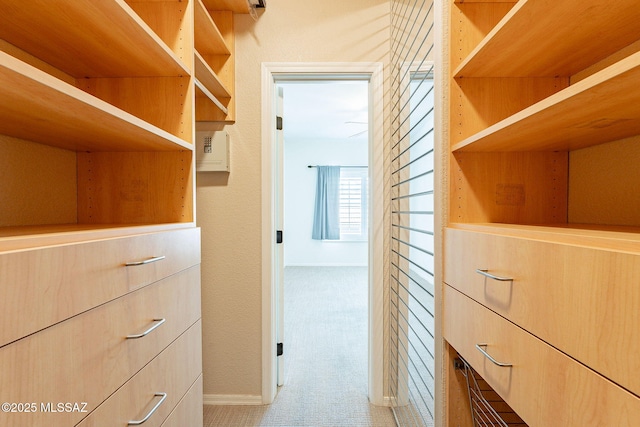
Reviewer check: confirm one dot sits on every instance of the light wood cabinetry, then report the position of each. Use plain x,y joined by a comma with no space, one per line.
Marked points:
543,385
97,204
85,275
542,126
214,57
189,411
160,386
107,335
563,294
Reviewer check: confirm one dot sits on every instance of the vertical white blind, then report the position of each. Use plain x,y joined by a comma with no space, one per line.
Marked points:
411,305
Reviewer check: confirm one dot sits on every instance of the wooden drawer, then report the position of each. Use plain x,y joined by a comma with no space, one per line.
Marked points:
41,287
189,411
583,301
544,386
87,357
173,372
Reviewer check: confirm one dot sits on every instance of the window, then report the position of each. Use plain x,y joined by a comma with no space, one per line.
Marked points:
353,203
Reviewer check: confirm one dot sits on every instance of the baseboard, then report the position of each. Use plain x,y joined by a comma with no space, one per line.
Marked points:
231,399
388,401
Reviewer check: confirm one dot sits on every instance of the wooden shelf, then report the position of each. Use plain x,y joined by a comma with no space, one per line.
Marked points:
214,63
203,92
609,237
69,118
601,108
236,6
24,237
92,38
208,39
573,35
209,78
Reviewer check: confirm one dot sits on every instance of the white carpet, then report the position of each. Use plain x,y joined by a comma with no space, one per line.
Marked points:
326,357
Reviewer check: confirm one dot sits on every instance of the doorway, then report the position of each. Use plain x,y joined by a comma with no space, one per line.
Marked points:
325,252
371,75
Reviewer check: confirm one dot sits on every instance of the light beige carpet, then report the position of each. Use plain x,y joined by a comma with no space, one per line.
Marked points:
326,357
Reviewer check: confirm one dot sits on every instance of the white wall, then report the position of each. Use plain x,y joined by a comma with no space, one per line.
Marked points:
229,205
299,198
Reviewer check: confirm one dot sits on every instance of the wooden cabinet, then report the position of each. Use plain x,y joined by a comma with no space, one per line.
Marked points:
563,294
85,275
541,141
214,63
90,355
189,411
158,388
97,203
544,386
215,59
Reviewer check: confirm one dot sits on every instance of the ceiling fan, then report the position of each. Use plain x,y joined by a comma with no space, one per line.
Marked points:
358,133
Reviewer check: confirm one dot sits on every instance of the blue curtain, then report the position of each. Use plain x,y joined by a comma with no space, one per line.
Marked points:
326,217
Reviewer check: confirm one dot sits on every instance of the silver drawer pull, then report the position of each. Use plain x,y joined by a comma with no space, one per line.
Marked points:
148,331
163,396
481,349
494,277
146,261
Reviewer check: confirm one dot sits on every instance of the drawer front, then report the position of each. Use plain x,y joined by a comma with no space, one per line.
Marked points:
87,357
172,373
544,386
41,287
189,412
583,301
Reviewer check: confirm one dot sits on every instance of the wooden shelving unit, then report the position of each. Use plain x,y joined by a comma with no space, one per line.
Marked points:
97,208
542,135
505,104
97,202
89,81
214,62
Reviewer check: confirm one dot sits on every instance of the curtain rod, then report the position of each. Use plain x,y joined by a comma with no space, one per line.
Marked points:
315,166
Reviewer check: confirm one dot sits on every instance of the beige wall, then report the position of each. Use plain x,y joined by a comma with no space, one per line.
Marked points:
229,207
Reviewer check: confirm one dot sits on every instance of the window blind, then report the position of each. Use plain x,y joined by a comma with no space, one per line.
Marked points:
353,203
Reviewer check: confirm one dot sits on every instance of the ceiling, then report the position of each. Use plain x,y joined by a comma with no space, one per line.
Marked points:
325,110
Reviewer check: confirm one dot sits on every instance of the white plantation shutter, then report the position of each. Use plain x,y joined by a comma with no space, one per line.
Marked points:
353,203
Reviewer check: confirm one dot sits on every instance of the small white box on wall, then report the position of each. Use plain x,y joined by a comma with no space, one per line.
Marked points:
212,151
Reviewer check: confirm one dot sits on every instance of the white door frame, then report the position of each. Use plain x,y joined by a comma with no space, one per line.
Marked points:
373,71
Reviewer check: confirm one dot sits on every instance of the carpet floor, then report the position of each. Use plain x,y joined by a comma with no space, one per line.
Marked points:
325,357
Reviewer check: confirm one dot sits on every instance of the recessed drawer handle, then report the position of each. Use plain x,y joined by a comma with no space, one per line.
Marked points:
146,261
163,396
148,331
494,277
481,349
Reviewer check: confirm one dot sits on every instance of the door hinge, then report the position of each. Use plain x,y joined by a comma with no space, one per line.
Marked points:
278,123
279,238
280,351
